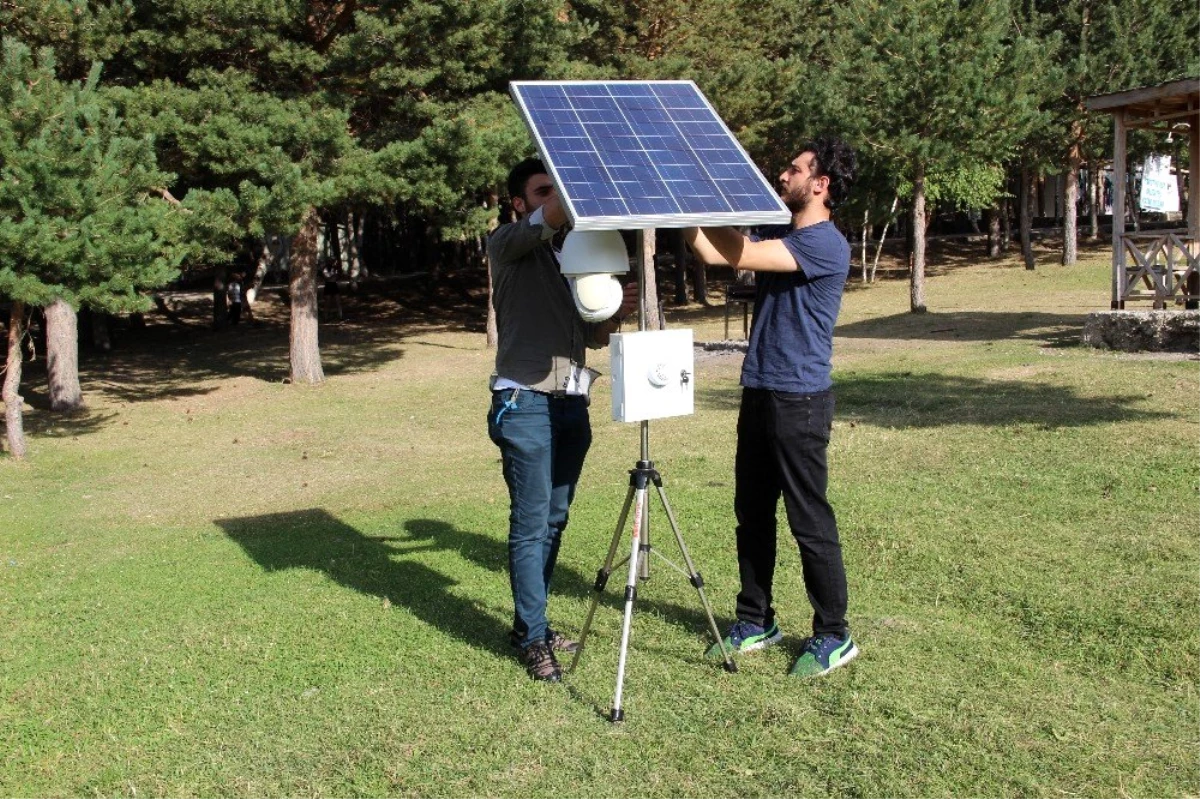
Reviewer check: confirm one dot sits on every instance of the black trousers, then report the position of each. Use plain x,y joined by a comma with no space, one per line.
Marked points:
781,450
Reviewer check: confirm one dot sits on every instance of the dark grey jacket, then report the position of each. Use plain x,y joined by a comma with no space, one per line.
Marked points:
539,330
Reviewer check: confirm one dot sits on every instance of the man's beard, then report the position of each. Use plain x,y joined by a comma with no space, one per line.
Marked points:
798,200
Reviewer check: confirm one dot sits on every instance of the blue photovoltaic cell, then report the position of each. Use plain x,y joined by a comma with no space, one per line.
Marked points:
633,154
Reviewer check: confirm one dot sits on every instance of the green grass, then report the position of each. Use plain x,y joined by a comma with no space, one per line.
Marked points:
223,585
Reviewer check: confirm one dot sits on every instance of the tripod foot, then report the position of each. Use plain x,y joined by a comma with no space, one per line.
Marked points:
617,715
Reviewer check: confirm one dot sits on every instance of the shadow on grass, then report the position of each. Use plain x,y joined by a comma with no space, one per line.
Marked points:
177,354
1054,329
907,400
389,567
64,424
492,554
316,540
167,363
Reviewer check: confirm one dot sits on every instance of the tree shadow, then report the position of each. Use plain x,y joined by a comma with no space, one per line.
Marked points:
903,400
174,353
1058,330
178,354
174,362
948,253
62,424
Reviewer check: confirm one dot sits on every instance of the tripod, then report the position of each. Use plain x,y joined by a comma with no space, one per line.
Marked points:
640,478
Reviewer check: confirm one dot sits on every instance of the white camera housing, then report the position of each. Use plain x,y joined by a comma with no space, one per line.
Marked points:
590,260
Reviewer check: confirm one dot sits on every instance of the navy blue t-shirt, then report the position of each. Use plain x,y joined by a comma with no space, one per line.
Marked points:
791,343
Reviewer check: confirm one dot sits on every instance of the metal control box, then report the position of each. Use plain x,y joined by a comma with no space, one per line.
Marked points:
653,374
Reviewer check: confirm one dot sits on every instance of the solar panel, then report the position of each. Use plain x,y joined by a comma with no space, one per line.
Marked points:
643,154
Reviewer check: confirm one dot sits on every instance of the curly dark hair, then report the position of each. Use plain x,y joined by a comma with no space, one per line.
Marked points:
835,159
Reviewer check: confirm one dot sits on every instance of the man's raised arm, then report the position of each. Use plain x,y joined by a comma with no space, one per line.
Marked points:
719,246
518,238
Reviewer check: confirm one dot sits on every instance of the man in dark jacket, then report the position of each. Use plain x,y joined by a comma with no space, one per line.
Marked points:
538,415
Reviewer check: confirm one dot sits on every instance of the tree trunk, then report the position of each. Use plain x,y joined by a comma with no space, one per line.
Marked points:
653,318
393,230
261,267
431,253
700,282
1097,203
1027,192
883,237
324,247
493,333
1005,224
282,256
1070,253
101,340
348,238
220,301
865,225
681,257
14,425
358,269
993,239
302,287
916,287
62,356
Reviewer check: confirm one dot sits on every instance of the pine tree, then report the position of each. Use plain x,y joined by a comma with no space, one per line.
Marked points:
932,88
80,224
354,106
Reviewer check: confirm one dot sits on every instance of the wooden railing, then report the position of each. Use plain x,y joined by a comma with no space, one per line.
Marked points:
1162,266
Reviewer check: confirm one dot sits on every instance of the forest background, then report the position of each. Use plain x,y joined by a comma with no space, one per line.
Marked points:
192,140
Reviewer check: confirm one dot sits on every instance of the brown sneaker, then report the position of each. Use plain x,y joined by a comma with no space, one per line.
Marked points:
558,642
540,663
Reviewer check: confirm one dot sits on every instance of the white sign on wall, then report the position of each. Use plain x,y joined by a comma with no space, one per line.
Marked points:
1159,190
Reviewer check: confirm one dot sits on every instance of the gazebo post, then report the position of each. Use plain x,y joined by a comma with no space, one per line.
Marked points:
1192,286
1194,177
1118,210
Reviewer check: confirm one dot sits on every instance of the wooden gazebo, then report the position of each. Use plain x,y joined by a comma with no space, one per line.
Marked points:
1164,265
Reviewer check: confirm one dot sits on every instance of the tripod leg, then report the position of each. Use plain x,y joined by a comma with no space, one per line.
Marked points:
636,554
644,566
695,579
602,577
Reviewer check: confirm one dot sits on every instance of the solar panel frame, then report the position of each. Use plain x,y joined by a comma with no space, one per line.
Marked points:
629,163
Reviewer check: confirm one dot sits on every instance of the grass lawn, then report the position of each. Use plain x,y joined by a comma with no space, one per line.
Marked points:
213,583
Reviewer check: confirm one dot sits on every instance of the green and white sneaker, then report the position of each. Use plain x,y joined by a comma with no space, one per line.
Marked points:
746,637
822,654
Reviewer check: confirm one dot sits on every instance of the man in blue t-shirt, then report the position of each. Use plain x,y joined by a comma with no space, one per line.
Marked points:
787,404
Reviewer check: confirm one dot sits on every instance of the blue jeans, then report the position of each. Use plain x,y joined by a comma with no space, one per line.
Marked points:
543,440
